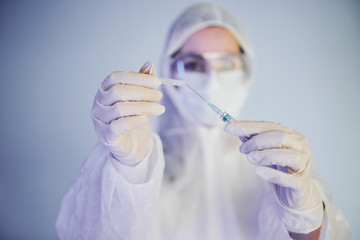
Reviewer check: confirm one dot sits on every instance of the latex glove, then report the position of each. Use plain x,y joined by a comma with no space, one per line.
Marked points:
121,113
284,159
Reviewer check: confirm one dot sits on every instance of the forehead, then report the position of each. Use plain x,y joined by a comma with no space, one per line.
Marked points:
211,39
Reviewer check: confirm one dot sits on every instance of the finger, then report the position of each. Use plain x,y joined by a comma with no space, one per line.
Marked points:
274,176
273,139
109,133
266,140
123,93
244,139
131,78
148,68
293,159
124,109
121,125
250,128
104,132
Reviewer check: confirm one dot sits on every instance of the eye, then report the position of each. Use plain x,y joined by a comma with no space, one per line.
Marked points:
193,66
229,65
190,63
233,63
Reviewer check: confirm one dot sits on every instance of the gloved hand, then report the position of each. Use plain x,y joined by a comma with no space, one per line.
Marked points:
121,113
284,158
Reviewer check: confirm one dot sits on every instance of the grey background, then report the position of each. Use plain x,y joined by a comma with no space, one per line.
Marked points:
53,56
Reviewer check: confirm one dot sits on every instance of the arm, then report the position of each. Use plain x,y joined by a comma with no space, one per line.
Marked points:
103,204
116,191
294,206
314,235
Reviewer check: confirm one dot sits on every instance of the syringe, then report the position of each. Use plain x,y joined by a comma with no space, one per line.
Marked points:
224,116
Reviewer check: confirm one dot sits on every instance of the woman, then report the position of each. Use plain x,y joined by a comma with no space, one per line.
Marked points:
192,182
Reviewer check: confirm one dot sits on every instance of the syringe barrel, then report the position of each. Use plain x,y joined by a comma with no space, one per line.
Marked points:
225,117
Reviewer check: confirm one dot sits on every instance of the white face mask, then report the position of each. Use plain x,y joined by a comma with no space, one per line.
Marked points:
227,90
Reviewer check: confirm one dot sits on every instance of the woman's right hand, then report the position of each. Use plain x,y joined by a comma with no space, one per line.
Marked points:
121,113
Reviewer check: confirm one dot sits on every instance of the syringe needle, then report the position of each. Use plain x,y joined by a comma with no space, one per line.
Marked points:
224,116
196,93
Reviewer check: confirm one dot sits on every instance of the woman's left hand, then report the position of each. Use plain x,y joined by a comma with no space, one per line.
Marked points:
283,158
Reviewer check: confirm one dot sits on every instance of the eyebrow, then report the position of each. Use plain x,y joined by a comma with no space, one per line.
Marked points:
175,54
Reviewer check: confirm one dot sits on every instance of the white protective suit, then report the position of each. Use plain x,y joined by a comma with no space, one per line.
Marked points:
206,189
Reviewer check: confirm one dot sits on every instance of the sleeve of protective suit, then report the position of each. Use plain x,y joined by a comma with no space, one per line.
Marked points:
109,200
334,225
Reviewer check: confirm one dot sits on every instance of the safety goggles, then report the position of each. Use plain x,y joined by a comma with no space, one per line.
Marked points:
207,62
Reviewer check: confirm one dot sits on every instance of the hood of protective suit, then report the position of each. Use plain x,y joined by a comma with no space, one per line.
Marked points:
192,20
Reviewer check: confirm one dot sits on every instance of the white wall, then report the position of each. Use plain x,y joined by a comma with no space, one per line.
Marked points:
53,56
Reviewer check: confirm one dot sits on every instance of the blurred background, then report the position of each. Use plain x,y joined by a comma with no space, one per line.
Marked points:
54,55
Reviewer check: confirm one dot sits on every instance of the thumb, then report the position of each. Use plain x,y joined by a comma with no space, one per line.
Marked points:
148,68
